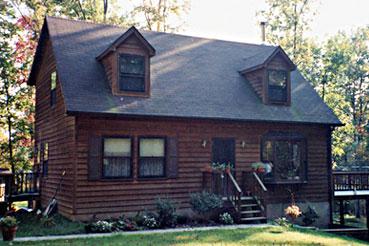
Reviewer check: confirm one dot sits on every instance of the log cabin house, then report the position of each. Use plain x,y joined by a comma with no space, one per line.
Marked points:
132,115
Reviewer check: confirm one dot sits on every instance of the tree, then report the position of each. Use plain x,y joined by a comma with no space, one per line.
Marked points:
161,15
16,110
346,64
287,23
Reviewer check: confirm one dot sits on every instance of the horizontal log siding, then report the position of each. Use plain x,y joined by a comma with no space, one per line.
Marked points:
112,198
58,130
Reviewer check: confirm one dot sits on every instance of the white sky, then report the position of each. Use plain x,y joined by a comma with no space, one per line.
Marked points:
236,19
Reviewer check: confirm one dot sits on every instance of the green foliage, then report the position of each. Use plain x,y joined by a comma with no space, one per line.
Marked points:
149,221
8,222
159,15
309,216
204,203
226,219
101,226
166,210
283,222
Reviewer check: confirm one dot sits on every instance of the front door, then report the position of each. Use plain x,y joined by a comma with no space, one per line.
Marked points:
223,151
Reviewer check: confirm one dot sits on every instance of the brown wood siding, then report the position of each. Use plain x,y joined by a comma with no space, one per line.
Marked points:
106,198
52,126
256,79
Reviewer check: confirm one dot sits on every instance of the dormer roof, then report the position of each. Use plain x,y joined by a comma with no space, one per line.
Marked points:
261,60
120,40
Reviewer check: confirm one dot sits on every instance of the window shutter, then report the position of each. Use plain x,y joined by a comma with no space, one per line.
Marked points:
94,158
172,157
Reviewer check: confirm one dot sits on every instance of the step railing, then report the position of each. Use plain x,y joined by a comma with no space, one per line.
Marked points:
26,182
234,193
253,184
225,185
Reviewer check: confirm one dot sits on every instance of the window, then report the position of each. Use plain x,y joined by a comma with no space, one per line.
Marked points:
132,73
117,158
45,159
277,86
52,88
287,153
151,157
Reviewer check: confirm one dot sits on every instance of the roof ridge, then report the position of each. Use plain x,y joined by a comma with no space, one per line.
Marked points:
167,33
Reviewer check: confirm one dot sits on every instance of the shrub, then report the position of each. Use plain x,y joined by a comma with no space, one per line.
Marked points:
124,224
166,210
139,218
226,219
282,222
100,226
150,222
310,216
8,221
205,203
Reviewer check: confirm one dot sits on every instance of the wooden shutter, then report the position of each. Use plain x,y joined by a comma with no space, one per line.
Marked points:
172,158
94,158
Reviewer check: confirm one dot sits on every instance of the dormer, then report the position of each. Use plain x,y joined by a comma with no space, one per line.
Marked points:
127,64
269,73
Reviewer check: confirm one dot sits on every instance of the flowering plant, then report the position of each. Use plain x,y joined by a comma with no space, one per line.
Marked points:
293,211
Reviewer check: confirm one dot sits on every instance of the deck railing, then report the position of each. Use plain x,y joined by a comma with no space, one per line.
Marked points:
346,181
26,182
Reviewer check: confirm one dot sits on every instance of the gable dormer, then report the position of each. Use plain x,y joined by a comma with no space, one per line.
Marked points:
127,64
270,76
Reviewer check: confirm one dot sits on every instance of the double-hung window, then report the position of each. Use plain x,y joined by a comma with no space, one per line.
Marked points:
117,158
277,86
131,73
151,157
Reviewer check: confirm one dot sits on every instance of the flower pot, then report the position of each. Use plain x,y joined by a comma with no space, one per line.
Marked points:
9,233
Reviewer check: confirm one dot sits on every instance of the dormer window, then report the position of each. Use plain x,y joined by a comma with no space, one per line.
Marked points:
270,76
127,64
131,73
277,86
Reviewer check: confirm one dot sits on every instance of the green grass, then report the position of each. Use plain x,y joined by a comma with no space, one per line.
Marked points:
30,225
238,237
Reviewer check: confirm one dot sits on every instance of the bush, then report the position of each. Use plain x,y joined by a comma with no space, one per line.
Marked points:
100,226
226,219
205,203
310,216
150,222
123,224
8,221
166,210
282,222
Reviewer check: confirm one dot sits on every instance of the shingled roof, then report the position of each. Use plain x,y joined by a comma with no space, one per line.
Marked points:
190,78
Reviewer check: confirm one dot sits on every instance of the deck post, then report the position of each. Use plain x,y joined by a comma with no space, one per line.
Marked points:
342,219
367,213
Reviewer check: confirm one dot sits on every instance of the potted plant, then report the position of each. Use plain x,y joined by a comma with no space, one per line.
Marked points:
8,227
258,167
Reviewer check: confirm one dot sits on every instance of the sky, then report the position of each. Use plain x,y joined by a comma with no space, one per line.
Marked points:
236,19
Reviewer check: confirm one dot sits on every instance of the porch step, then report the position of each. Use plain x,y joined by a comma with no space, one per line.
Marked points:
249,205
250,211
261,218
247,198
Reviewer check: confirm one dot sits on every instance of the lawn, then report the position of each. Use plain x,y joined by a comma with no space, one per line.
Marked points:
29,225
237,237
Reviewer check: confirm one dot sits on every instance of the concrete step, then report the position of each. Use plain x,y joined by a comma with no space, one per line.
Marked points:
247,198
248,205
